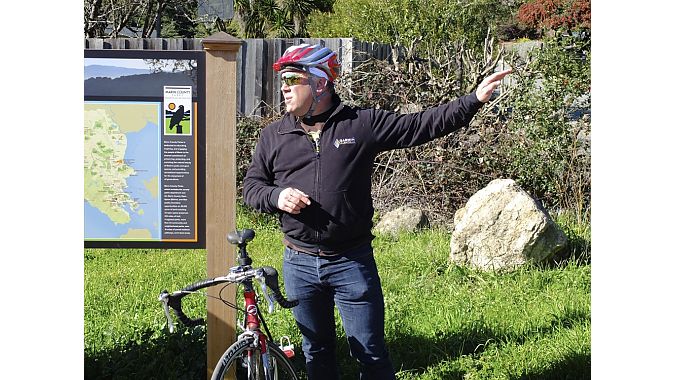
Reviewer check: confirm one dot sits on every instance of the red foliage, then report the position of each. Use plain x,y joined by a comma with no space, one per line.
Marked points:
555,14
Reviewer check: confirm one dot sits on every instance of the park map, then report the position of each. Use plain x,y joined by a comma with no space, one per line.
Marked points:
121,169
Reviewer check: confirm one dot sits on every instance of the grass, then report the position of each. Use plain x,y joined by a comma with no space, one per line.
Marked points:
442,321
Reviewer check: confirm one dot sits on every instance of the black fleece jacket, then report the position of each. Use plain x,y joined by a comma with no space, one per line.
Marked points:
336,174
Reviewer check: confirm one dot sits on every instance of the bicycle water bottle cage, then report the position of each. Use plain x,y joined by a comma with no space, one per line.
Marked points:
240,238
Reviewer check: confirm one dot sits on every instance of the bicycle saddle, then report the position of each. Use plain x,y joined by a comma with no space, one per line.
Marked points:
240,237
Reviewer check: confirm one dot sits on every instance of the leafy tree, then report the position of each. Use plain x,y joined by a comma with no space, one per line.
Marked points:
408,22
109,18
276,18
179,18
254,17
297,11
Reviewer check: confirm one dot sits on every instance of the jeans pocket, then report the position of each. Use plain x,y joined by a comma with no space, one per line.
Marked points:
289,255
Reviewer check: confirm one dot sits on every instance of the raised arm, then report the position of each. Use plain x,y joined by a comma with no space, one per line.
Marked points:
392,131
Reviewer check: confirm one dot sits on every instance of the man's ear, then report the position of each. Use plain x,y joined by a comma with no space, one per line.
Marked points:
321,85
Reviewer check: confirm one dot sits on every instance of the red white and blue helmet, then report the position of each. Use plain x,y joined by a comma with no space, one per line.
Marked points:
315,59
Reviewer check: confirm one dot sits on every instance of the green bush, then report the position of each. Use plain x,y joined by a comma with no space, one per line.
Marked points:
403,22
549,146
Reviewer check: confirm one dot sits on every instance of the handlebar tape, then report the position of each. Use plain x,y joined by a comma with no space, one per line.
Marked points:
283,302
272,281
175,301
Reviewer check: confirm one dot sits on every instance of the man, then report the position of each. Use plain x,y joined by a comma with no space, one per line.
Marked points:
313,168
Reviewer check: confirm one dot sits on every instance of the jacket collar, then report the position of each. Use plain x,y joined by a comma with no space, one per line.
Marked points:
289,124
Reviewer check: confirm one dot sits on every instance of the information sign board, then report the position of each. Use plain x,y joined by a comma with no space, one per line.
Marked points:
144,149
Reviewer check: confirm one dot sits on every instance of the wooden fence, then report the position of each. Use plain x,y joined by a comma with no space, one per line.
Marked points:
258,86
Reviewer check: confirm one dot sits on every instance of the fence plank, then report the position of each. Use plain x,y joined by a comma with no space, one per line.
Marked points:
135,43
249,74
253,78
94,43
241,101
258,73
274,83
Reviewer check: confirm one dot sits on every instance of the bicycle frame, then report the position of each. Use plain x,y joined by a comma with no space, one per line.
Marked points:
252,326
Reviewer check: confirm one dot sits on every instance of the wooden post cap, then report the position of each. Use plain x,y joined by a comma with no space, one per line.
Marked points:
221,41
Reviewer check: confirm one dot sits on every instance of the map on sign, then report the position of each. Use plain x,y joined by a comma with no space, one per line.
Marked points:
122,169
142,138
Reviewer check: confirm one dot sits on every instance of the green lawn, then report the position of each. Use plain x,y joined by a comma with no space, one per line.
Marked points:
442,322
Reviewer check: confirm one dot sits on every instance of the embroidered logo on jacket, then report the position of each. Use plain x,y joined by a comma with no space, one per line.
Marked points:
340,142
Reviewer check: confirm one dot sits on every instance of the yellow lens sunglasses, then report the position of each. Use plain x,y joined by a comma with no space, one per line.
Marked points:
292,79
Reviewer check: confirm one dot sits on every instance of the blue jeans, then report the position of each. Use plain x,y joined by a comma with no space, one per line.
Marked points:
351,283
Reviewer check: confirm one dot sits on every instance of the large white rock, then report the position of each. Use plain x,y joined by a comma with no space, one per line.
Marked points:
502,227
403,219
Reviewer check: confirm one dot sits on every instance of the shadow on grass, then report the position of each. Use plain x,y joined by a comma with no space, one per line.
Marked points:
415,354
578,250
181,355
572,367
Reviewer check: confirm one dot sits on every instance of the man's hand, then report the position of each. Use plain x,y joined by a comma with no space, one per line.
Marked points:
488,85
292,200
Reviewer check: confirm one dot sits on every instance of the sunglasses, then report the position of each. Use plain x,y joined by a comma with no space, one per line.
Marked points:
292,80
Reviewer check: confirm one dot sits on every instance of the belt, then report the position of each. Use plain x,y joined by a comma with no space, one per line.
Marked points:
306,251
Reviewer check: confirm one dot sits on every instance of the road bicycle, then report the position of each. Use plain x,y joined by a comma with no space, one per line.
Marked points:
255,355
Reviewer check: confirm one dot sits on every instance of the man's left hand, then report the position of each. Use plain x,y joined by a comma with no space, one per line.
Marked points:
488,85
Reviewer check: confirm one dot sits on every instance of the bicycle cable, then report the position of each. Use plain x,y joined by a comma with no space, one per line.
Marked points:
228,303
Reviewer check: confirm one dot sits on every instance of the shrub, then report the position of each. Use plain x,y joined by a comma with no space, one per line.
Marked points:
550,124
248,130
545,15
407,22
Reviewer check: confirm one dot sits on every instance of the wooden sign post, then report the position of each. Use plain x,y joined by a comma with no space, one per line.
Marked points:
221,106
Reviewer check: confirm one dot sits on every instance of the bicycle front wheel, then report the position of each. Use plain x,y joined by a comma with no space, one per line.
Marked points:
246,362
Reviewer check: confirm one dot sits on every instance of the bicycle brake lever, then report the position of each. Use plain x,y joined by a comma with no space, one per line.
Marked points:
164,298
268,297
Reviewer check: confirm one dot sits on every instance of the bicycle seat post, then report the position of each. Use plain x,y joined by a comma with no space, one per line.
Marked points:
243,258
241,238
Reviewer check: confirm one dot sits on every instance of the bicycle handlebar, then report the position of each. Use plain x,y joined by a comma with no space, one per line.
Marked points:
272,281
173,301
268,274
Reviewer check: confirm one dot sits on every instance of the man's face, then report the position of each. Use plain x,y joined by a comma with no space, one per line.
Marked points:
297,92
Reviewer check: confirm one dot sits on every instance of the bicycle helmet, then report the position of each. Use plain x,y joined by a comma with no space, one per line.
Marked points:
314,59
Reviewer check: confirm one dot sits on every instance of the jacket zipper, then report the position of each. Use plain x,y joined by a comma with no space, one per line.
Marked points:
317,167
